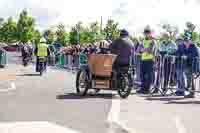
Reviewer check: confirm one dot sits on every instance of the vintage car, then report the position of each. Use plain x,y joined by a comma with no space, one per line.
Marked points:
98,74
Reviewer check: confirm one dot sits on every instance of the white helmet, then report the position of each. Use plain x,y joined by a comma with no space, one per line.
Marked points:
42,40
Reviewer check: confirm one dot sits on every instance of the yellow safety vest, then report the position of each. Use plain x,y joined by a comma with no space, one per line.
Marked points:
42,50
147,55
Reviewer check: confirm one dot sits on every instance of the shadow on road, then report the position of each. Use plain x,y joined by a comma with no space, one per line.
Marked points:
164,98
28,75
153,96
63,69
75,96
183,102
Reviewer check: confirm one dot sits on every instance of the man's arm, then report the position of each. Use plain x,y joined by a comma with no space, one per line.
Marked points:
35,51
113,48
149,49
48,52
179,51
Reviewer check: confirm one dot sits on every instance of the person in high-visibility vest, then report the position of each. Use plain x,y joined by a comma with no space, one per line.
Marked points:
41,50
147,56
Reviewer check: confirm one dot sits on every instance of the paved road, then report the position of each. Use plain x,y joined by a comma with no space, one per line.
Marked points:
34,104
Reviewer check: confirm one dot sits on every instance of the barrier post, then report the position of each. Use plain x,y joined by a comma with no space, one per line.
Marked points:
66,61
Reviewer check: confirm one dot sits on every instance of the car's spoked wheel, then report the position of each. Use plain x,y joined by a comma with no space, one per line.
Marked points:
124,89
81,83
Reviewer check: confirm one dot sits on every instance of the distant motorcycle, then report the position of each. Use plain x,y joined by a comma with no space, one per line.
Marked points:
27,55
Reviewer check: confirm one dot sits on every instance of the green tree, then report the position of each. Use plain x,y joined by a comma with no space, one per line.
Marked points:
1,21
37,36
25,27
76,33
111,30
8,31
172,30
61,35
50,36
73,36
96,32
1,33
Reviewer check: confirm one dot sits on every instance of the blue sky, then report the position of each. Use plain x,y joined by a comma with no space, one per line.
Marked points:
131,14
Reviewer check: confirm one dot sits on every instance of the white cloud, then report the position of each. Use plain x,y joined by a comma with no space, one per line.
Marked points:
51,12
131,14
153,12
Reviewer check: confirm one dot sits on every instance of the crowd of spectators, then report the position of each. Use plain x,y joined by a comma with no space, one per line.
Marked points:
99,47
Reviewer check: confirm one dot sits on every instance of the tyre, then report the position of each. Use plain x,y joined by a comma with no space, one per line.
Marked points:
81,83
25,63
2,66
124,89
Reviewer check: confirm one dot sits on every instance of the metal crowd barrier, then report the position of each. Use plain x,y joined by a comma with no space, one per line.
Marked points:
137,69
67,61
51,60
164,74
170,74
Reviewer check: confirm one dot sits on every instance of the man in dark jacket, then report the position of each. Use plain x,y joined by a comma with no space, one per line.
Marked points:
122,47
186,63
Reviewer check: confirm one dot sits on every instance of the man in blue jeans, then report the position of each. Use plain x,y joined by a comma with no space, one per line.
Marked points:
147,55
186,62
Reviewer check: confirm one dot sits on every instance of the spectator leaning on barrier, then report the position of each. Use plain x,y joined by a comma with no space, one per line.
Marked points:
187,54
147,56
167,48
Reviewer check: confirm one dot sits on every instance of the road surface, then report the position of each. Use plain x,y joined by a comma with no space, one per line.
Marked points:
34,104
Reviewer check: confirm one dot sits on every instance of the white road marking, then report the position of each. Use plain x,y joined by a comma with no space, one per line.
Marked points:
34,127
13,87
113,117
114,111
180,127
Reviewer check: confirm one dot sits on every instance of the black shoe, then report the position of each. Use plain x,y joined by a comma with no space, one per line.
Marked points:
179,93
141,91
191,95
146,92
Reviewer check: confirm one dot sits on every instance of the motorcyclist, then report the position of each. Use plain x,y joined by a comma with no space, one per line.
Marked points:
41,50
30,50
123,48
26,54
